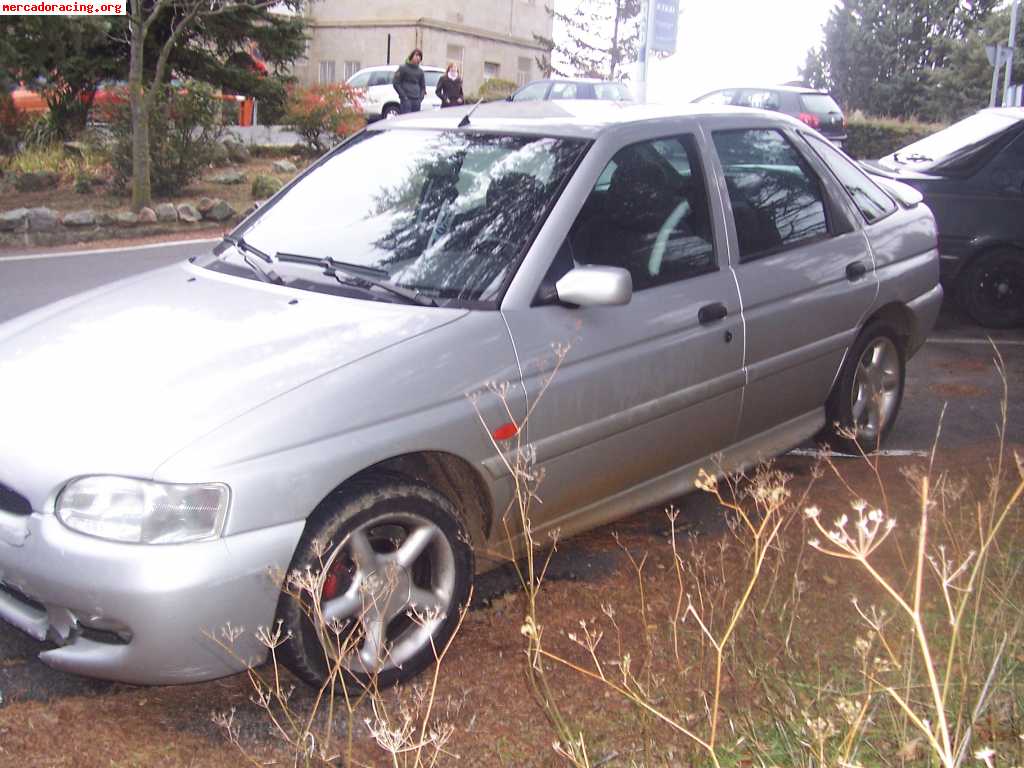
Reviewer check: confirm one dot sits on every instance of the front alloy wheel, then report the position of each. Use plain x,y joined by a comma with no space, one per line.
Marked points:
394,581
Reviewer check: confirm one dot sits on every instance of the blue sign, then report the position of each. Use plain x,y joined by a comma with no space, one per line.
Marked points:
666,26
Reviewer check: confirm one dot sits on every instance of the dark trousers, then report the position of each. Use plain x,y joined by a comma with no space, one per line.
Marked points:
407,105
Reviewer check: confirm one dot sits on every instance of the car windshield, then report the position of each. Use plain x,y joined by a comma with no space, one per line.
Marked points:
955,140
446,214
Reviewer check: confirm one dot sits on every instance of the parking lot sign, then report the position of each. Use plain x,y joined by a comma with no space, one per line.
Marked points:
665,26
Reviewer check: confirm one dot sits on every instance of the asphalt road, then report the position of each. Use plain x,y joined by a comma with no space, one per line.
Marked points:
954,371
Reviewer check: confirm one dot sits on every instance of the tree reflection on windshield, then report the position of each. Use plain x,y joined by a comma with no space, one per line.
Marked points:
444,212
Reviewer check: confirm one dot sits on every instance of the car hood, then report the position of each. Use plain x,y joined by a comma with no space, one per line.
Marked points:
118,380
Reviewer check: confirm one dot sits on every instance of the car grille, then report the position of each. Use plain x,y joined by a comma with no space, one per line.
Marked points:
13,502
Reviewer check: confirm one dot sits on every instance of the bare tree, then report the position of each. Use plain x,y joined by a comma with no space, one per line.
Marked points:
145,79
596,39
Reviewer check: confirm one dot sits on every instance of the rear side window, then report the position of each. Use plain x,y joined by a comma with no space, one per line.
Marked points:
757,99
873,203
361,80
777,202
819,103
611,92
431,78
381,78
563,91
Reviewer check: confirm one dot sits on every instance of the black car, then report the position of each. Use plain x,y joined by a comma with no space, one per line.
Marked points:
572,88
815,108
972,177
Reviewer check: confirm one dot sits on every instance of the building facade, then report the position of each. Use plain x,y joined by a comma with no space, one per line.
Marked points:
489,38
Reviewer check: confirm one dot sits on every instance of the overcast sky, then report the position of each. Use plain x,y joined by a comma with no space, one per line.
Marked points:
737,42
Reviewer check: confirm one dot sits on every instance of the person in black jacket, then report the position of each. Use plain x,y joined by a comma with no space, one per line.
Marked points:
449,87
410,83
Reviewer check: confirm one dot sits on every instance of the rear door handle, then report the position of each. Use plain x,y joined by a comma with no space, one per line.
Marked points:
855,270
710,313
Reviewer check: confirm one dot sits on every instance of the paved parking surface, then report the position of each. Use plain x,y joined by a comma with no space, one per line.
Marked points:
955,370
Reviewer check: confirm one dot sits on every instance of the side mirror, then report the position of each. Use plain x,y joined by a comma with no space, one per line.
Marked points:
592,286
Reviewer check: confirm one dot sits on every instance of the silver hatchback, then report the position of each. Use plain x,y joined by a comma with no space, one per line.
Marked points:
726,283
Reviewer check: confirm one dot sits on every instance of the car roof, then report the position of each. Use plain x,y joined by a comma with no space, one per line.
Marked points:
570,118
392,67
588,80
800,89
1016,113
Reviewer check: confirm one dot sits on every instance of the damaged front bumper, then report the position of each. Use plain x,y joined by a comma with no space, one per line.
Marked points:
140,613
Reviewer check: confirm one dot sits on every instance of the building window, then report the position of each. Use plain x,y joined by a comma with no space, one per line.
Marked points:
523,70
351,67
457,54
491,70
326,72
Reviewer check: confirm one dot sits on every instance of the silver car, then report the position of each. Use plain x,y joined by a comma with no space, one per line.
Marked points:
725,280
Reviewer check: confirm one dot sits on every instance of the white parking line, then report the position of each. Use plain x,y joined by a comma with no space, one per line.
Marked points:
121,249
887,452
986,342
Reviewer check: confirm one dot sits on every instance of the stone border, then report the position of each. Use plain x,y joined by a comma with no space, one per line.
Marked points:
33,227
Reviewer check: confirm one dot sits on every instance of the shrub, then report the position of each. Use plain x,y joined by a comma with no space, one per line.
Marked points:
323,114
183,131
264,186
494,89
12,125
873,137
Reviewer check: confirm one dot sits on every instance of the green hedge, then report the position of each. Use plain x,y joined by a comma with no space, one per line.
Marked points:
874,137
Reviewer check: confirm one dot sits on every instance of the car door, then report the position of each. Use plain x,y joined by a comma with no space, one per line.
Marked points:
805,274
653,385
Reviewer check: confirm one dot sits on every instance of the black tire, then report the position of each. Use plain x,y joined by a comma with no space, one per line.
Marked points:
850,406
389,111
991,288
379,510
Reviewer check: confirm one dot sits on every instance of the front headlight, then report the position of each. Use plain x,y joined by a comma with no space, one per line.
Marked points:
143,512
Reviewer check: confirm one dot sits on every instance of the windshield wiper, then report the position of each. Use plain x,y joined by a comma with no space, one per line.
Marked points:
359,275
265,274
914,157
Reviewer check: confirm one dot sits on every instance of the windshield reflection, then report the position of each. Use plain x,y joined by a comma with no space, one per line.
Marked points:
445,213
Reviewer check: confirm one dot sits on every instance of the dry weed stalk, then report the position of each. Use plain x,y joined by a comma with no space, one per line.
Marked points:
412,738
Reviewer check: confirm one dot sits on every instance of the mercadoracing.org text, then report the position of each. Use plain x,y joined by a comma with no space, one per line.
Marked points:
39,8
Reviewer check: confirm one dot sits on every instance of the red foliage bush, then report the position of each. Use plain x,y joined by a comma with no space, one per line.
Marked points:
324,114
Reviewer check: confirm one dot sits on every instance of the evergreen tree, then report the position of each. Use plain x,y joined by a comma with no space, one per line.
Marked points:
881,56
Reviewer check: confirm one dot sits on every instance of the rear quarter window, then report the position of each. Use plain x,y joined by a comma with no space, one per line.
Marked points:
819,103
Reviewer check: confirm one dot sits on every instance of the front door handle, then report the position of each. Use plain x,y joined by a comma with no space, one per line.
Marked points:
855,270
710,313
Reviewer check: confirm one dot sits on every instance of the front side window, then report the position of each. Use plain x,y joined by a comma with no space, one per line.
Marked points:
648,213
535,92
431,79
717,97
446,214
873,203
777,202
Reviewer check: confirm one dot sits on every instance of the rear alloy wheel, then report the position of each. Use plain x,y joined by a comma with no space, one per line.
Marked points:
992,289
392,591
863,406
389,111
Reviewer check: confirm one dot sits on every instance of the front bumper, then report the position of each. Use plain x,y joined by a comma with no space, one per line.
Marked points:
140,613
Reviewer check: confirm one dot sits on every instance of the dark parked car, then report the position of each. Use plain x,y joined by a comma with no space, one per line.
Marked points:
814,108
553,89
972,177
